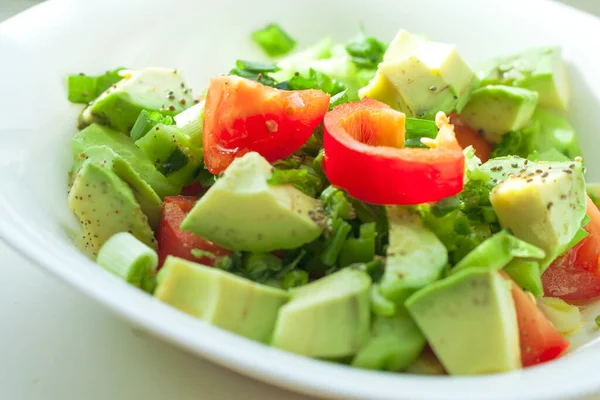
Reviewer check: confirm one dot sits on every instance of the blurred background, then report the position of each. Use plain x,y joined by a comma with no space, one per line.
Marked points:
59,345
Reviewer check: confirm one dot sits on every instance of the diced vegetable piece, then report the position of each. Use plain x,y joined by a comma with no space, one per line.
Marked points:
175,242
576,274
242,116
82,88
146,121
131,260
497,251
274,40
538,339
361,249
527,275
363,152
565,317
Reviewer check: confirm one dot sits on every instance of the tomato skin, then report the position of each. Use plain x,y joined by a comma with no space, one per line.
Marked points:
576,275
173,241
241,116
364,155
538,339
468,136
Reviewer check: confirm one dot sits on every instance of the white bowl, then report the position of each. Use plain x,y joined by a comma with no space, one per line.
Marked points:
38,48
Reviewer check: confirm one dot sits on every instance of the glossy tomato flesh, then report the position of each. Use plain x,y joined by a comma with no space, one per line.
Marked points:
242,115
539,340
468,136
576,275
175,242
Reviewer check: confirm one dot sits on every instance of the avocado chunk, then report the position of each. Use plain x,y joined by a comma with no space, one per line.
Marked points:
106,205
395,344
149,201
96,135
152,89
220,298
527,275
470,322
495,110
555,133
170,151
241,211
415,255
420,77
539,69
326,318
497,251
542,203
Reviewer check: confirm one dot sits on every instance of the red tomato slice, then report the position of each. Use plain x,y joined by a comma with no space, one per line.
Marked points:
363,154
175,242
241,116
468,136
195,189
539,341
576,275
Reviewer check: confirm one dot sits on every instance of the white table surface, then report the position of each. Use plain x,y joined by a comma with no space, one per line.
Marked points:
56,344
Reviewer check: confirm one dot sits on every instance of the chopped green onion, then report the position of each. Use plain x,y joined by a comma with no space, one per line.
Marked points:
333,246
415,143
317,164
130,259
258,77
301,179
199,253
339,98
206,179
146,121
366,52
337,204
225,263
445,206
374,268
418,128
597,319
254,66
361,249
295,278
260,267
274,40
176,160
380,305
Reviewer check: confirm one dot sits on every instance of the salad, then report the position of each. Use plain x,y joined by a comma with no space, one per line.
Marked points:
383,205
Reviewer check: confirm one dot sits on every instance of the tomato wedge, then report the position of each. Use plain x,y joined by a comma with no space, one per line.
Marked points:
576,275
173,241
539,341
242,115
364,155
468,136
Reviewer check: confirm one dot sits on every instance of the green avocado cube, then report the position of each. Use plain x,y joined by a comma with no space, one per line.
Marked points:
96,135
470,322
152,89
106,205
543,203
169,150
415,255
220,298
241,211
327,318
496,110
394,344
420,77
555,133
540,69
149,201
